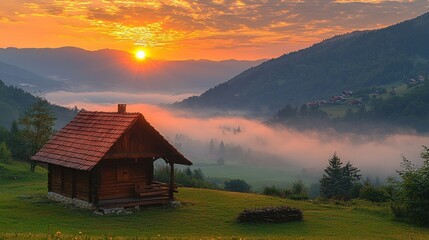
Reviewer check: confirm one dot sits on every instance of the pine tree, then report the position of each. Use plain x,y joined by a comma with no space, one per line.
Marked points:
338,180
38,124
330,184
222,150
222,153
212,147
17,143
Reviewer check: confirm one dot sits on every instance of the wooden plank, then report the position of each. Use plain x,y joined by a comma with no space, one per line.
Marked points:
133,203
145,194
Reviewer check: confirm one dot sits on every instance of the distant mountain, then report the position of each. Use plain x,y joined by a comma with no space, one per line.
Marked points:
31,82
351,61
113,70
15,101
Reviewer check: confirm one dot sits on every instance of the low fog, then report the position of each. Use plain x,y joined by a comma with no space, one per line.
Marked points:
252,142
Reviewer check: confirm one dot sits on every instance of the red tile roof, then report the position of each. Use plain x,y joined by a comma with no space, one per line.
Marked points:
83,142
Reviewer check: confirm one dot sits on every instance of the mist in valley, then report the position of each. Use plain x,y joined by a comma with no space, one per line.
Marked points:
236,147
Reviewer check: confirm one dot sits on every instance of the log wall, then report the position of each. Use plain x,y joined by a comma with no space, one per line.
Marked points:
68,182
140,138
119,177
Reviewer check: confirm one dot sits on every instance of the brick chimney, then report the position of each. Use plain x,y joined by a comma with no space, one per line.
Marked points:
122,108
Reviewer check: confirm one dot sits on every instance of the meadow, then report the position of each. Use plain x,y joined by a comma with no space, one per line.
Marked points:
25,213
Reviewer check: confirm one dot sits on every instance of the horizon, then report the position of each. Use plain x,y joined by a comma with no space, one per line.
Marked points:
183,30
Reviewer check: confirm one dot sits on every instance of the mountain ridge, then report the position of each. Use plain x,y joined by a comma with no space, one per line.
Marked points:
350,61
15,101
116,70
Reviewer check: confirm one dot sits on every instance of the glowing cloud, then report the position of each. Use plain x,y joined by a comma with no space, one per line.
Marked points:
183,29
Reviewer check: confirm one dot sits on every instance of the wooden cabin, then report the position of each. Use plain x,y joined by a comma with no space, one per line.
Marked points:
106,159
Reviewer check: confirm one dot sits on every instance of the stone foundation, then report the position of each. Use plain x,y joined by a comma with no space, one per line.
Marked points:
73,201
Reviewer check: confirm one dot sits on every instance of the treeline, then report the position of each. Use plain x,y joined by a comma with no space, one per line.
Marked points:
407,196
15,101
27,135
410,110
196,179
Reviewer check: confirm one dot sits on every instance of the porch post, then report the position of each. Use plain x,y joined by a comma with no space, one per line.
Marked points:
170,191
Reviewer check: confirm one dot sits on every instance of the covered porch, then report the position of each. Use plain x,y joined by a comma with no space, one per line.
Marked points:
152,194
129,183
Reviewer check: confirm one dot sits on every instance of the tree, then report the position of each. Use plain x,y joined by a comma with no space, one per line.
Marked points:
198,174
237,185
212,149
38,122
411,198
188,171
222,150
351,176
17,143
298,187
338,180
222,153
5,154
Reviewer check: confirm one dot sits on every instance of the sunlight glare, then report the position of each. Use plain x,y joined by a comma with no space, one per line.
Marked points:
140,55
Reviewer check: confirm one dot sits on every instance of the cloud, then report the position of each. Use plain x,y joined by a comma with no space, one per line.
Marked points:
255,28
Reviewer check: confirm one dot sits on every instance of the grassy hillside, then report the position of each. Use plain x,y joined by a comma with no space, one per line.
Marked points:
350,61
387,108
204,214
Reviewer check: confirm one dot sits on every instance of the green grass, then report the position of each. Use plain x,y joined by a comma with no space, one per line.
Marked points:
204,214
257,176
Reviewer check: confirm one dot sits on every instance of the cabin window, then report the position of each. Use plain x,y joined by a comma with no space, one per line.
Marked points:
122,173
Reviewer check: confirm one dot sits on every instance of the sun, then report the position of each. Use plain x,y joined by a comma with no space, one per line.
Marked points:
140,55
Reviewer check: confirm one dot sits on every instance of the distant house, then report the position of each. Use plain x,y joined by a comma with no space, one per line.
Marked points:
312,104
106,160
347,93
337,99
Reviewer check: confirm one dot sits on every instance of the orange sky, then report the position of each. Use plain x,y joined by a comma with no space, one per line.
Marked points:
184,29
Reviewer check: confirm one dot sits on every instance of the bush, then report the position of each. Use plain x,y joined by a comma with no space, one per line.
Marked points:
272,191
185,178
298,188
271,215
298,191
373,194
5,154
411,195
237,185
276,192
299,197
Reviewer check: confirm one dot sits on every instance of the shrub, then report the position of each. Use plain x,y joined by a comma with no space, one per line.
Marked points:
237,185
271,215
185,177
5,154
373,194
298,187
272,191
299,196
411,196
